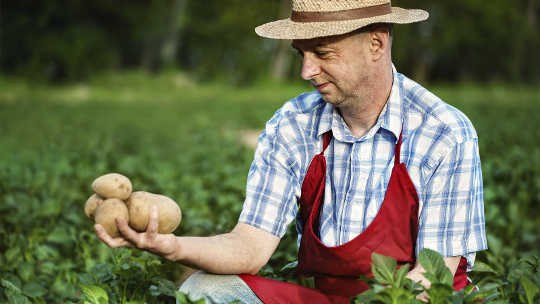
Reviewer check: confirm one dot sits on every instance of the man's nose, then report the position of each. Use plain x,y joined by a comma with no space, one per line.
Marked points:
310,67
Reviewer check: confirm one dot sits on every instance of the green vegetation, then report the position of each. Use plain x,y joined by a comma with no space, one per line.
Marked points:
390,285
179,138
70,41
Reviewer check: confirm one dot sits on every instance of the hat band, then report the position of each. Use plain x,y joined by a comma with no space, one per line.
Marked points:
357,13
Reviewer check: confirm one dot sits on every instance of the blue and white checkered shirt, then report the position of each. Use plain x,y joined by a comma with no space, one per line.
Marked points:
439,149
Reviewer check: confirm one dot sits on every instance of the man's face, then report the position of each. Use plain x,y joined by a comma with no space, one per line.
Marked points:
338,66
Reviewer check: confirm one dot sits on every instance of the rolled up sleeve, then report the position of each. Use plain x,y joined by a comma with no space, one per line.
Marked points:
272,185
452,217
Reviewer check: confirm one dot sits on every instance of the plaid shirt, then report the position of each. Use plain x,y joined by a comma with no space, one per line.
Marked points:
439,149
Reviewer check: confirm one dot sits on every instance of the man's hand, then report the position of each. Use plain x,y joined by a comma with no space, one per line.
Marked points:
165,245
416,274
243,250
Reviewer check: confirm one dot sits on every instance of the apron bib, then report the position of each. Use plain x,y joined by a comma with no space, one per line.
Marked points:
336,270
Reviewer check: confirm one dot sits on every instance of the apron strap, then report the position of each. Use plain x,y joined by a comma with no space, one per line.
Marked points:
398,150
327,137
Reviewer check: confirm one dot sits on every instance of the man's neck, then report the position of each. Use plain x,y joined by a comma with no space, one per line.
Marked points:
362,114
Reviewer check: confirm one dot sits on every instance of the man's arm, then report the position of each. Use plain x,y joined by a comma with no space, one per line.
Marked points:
245,249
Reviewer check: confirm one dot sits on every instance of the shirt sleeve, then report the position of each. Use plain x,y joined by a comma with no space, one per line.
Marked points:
272,184
452,216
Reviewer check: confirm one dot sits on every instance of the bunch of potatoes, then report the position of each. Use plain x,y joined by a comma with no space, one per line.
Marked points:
114,198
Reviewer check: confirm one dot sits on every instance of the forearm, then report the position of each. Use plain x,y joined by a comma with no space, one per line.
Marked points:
221,254
244,250
240,251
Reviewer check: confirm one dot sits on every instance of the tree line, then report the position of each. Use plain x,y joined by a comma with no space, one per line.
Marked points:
463,40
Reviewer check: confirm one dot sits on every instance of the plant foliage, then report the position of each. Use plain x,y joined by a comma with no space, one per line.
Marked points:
174,137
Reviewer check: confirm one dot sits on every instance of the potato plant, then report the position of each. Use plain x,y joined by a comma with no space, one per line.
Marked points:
390,285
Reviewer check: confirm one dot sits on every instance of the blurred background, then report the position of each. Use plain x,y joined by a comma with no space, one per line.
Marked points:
463,40
173,94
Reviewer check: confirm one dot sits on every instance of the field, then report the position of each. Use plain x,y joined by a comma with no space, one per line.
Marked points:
182,139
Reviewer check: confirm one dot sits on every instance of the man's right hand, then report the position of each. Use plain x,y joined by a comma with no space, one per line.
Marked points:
165,245
243,250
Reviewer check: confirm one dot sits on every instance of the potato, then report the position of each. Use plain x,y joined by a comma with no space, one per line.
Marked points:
108,211
139,204
91,204
113,185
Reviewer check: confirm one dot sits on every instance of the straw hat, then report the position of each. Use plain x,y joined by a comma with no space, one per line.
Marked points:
320,18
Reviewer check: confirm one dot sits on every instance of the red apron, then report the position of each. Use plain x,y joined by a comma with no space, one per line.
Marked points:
336,269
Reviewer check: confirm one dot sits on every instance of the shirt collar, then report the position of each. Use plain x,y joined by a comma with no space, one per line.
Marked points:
390,119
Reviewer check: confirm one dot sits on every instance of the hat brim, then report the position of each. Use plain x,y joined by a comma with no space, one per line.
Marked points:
288,29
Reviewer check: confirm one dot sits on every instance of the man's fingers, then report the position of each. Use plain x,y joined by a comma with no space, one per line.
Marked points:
153,221
128,233
110,241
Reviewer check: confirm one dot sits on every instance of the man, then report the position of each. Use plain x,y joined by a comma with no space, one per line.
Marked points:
375,162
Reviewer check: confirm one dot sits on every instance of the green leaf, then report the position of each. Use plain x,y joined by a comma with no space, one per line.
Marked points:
416,287
431,260
26,271
383,268
167,287
181,298
531,289
60,235
400,275
483,267
17,299
431,277
13,293
447,277
439,293
368,296
308,282
484,294
436,269
378,288
34,290
94,294
13,255
399,295
290,266
469,289
458,298
10,286
154,290
383,296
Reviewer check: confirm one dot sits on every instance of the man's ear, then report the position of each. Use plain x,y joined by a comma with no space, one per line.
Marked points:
379,42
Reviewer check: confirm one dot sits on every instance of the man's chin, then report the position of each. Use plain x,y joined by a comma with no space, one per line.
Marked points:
328,98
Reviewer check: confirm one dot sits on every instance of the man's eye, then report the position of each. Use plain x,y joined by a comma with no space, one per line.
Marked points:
321,53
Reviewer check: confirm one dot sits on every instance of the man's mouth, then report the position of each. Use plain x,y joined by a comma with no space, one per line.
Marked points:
321,85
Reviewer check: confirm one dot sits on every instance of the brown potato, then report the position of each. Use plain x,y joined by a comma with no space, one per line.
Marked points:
113,185
91,204
108,211
139,204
